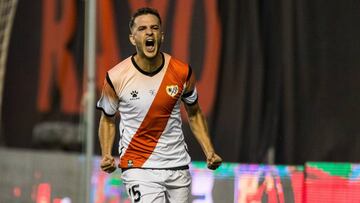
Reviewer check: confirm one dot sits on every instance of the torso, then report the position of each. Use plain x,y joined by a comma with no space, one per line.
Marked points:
150,124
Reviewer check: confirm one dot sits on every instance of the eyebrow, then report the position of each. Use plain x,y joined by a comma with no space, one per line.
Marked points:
151,26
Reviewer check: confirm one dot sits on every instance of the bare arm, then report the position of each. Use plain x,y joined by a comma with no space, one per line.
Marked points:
198,124
106,137
199,128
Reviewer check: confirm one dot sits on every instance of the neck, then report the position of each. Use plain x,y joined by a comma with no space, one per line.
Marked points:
148,64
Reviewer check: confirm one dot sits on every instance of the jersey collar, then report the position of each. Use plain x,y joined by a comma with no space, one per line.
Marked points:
145,72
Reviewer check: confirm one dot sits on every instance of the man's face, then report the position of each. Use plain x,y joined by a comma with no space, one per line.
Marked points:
146,35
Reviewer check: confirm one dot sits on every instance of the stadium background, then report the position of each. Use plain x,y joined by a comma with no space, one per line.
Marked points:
278,80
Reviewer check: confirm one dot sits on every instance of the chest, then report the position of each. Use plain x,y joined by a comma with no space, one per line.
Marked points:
159,93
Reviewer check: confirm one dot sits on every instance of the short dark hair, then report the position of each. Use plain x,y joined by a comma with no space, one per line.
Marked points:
144,11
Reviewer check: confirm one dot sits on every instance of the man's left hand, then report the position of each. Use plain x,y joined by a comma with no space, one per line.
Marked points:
213,161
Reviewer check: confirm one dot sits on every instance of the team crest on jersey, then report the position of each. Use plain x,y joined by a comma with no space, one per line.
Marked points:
172,90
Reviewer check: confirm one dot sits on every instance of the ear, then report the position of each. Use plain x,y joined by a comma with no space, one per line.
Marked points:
162,37
132,39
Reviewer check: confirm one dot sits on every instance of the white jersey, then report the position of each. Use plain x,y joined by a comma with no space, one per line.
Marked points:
149,104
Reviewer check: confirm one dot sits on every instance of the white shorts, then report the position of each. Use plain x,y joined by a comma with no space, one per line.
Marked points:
157,186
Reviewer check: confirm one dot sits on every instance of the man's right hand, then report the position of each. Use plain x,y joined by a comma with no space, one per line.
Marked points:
108,164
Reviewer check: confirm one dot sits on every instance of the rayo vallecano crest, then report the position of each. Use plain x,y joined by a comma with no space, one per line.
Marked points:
172,90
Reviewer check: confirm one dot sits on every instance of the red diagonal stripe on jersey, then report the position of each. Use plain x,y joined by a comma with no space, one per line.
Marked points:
145,139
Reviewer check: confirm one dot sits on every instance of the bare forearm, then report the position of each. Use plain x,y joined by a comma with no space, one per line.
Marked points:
199,128
106,134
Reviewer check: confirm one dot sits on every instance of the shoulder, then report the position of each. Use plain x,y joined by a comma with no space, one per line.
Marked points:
118,74
120,70
179,66
120,67
175,61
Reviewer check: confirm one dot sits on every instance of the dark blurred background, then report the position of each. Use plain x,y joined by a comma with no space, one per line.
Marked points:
277,78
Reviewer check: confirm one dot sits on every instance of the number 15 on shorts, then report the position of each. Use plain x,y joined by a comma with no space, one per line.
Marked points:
134,193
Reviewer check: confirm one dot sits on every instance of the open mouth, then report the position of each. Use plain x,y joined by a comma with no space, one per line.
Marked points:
150,44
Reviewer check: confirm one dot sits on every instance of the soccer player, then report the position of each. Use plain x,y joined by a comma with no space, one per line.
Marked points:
147,89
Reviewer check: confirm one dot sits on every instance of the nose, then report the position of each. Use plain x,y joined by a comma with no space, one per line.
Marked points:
149,31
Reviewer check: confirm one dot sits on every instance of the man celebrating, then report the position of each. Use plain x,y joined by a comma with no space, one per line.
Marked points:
147,89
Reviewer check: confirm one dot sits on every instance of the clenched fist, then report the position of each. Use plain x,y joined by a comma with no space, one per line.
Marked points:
108,164
213,161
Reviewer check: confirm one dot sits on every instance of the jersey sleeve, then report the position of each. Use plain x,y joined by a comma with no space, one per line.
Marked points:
190,95
109,101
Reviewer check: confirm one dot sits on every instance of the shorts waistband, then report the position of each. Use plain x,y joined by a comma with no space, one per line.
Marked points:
179,168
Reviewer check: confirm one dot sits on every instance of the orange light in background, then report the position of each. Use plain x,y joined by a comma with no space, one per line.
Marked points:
17,191
57,200
43,193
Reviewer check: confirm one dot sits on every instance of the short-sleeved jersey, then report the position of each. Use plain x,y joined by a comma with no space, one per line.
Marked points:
149,104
